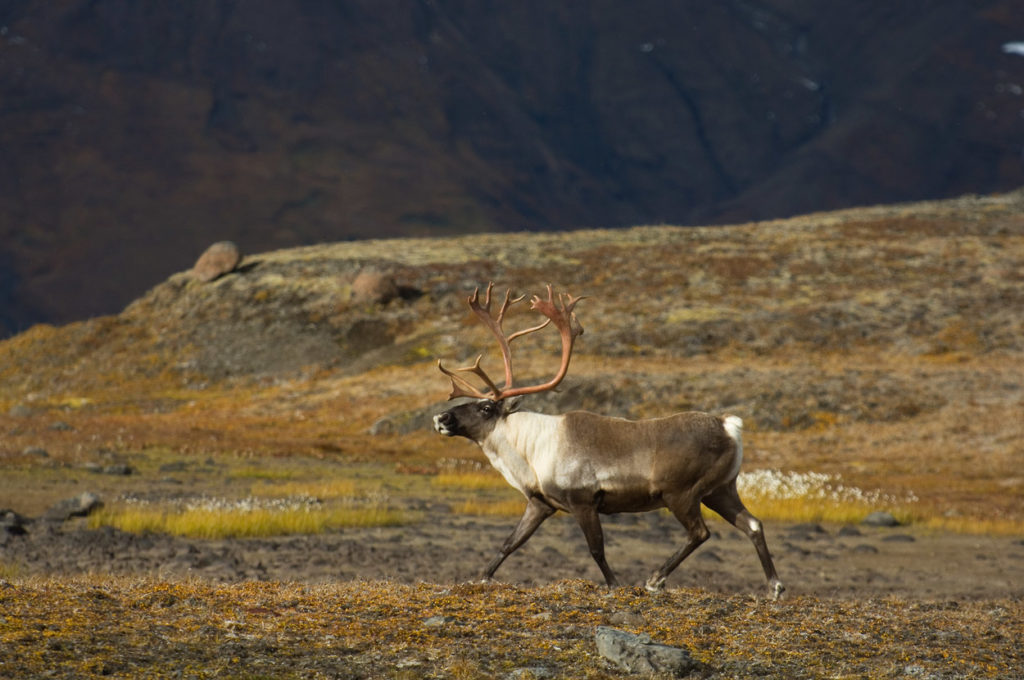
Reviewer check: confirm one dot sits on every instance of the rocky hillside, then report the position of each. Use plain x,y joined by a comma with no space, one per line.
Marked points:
134,135
879,351
918,279
882,344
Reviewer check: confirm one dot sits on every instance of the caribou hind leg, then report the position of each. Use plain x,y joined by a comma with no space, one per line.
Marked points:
687,511
536,512
726,502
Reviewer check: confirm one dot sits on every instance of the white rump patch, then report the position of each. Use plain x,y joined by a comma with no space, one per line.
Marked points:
734,428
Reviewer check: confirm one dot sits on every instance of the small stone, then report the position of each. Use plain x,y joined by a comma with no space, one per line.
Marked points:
436,621
81,505
899,538
219,259
881,518
625,618
374,287
709,556
118,469
531,673
175,466
808,528
36,452
61,426
12,523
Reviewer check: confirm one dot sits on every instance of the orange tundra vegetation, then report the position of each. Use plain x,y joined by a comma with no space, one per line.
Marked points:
878,349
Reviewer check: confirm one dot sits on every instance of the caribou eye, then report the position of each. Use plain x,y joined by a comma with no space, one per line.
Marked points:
488,408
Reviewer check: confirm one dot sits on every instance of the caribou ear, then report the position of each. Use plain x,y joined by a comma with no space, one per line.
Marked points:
512,404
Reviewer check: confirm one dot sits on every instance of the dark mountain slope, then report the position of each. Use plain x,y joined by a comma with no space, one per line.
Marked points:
133,134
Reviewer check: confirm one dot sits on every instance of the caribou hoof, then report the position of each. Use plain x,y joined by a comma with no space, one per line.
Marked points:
777,589
655,584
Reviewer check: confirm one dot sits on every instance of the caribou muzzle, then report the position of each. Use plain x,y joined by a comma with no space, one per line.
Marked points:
445,423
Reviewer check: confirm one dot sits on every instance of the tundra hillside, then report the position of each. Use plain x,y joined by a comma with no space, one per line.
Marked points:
883,344
881,348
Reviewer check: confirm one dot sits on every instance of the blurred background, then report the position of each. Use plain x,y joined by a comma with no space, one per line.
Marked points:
134,134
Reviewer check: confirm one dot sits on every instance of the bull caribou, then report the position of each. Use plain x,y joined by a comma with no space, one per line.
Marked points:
587,464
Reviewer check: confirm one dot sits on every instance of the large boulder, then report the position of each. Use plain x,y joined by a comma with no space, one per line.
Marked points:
372,286
219,259
638,654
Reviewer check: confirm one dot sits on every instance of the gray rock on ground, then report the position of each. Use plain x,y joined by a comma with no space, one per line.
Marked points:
638,654
12,523
81,505
880,518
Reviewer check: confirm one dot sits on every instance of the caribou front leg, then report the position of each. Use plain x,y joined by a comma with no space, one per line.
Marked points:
588,519
536,512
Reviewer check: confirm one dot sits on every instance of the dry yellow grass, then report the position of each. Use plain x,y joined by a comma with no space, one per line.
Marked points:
975,525
243,522
813,510
470,481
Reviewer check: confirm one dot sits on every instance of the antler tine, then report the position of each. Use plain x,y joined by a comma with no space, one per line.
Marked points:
474,300
568,327
463,388
506,304
568,309
494,324
527,331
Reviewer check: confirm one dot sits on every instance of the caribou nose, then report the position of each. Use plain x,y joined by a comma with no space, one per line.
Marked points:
443,422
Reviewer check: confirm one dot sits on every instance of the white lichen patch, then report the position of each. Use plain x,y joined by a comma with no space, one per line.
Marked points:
781,486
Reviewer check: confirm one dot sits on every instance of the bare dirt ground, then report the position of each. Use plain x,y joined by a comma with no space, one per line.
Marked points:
394,602
822,561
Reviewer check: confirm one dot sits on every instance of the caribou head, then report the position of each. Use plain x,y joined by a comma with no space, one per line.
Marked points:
475,420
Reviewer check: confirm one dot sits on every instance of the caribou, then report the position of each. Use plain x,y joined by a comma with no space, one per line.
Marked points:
587,464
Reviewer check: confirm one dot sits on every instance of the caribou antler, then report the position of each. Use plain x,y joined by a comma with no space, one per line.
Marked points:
560,313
